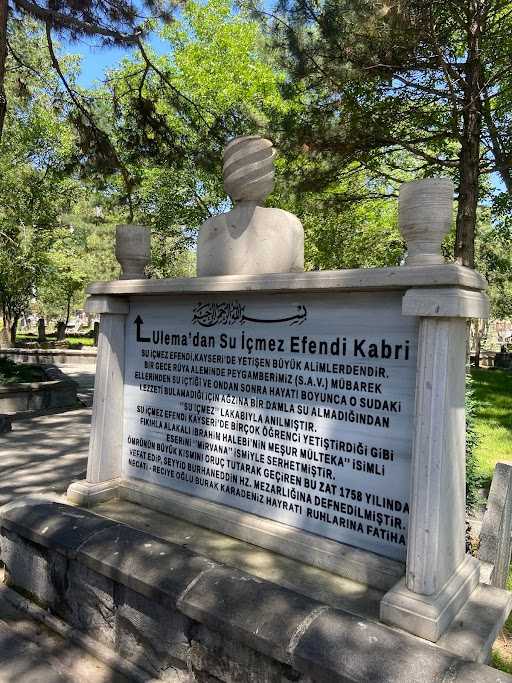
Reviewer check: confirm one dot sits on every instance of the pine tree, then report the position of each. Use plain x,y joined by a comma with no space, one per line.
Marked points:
114,22
416,88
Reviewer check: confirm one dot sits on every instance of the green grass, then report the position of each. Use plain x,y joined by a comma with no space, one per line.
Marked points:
73,339
501,661
11,373
493,419
493,423
501,657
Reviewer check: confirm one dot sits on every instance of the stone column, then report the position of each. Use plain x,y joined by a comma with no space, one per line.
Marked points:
105,445
439,575
104,461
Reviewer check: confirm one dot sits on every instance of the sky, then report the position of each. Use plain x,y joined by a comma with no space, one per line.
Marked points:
96,60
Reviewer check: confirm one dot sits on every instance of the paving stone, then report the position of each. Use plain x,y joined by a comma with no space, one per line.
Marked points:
30,653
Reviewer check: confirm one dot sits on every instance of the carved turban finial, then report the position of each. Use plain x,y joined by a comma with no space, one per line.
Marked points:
249,168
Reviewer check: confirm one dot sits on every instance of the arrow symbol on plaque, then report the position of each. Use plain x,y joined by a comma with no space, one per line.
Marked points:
138,321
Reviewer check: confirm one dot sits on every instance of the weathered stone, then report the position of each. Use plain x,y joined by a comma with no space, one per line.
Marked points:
88,603
61,331
55,392
32,570
229,660
495,537
339,558
51,524
96,329
425,217
362,279
41,332
250,239
103,464
428,616
37,355
133,250
340,648
478,624
149,634
156,569
227,625
5,424
261,614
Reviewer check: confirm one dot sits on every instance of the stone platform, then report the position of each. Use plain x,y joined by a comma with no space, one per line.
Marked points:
169,595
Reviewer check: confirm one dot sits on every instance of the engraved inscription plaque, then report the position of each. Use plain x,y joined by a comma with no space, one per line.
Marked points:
294,407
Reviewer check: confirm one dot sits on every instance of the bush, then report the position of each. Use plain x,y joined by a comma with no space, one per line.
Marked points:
11,372
473,479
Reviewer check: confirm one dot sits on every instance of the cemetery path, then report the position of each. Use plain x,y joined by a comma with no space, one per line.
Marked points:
31,653
44,454
83,375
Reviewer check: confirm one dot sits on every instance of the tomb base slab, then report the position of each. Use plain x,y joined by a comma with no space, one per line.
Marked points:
169,609
87,494
428,616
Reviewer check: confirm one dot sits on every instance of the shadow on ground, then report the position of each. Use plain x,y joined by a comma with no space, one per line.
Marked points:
30,653
44,454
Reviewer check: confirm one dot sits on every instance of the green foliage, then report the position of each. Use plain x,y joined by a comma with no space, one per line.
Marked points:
218,61
340,234
11,373
65,276
399,89
170,121
82,252
494,260
34,185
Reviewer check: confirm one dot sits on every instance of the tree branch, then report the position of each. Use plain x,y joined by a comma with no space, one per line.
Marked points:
65,20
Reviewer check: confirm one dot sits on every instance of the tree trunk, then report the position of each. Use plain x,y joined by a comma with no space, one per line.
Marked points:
68,309
478,333
4,13
13,330
469,156
5,336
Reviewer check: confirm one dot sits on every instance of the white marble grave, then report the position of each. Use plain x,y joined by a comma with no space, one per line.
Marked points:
217,396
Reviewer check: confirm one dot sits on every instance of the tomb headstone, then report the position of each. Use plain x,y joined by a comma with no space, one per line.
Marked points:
320,415
96,330
495,537
41,331
61,331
